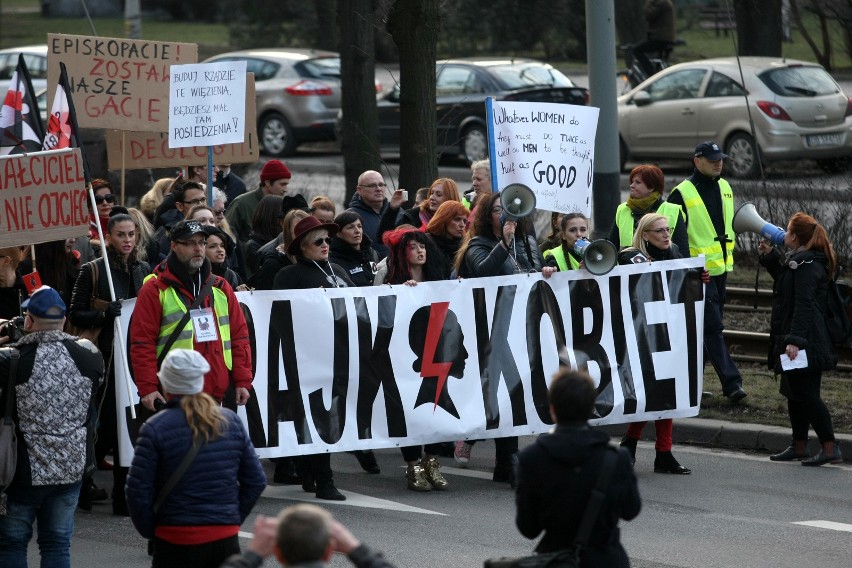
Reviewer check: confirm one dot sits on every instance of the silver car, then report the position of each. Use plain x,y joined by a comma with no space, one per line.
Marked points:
298,95
798,109
35,57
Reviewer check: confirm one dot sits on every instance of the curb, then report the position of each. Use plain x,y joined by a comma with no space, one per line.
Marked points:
724,434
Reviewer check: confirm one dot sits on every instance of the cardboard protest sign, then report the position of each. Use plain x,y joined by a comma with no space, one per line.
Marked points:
42,197
117,83
151,149
207,104
548,147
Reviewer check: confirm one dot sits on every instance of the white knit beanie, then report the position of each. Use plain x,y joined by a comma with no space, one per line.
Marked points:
182,372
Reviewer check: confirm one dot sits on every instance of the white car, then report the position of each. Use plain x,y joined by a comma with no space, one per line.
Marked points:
798,110
35,57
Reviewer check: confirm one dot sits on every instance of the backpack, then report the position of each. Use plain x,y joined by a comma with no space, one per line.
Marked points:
837,317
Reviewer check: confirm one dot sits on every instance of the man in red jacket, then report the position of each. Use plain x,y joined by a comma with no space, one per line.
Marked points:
167,316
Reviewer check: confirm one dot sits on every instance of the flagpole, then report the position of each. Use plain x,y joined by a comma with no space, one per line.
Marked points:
123,153
210,175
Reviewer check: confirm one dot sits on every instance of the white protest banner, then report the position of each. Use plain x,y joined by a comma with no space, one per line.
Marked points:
42,197
207,104
115,82
382,367
548,147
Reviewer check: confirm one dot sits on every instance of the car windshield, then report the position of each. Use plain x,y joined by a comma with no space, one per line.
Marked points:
802,81
518,76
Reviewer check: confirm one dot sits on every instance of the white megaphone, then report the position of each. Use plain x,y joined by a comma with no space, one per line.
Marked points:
747,219
518,201
599,256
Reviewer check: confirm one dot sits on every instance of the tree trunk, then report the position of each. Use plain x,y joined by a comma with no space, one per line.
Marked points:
824,57
759,30
414,28
359,134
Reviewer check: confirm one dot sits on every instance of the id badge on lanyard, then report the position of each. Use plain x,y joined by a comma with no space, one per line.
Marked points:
204,325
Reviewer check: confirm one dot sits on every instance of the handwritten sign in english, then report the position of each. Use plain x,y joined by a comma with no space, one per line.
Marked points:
549,147
116,83
207,104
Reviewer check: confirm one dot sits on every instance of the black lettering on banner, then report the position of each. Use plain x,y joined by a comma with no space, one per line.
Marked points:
542,301
652,338
331,422
284,405
685,287
495,357
376,369
253,415
619,340
587,294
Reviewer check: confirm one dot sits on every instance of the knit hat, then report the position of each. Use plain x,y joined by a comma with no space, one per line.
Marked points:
182,372
273,170
45,303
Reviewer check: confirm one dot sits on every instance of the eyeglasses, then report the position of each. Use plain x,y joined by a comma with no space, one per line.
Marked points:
374,186
198,201
497,209
109,198
192,244
320,241
662,231
219,212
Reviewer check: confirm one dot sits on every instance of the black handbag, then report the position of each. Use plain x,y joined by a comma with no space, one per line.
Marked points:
568,557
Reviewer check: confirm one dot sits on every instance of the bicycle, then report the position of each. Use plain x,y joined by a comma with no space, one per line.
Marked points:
627,79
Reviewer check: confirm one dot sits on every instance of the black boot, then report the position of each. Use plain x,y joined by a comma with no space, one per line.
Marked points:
630,444
326,490
504,468
285,472
367,460
666,463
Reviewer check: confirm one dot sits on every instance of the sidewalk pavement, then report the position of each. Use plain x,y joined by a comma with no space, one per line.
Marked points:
734,435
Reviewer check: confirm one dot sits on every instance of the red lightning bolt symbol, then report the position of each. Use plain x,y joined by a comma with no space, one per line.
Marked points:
433,333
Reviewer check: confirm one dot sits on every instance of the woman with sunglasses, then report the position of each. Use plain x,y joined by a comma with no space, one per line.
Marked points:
312,269
105,201
651,243
646,196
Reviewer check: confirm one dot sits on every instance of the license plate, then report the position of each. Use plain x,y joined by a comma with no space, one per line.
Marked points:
825,139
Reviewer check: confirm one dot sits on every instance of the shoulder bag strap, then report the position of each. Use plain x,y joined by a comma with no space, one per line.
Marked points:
14,355
205,290
177,474
597,498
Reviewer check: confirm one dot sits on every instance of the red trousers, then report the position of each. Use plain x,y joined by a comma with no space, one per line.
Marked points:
664,433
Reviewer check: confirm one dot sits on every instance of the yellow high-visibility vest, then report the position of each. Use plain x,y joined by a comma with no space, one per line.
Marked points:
625,224
702,233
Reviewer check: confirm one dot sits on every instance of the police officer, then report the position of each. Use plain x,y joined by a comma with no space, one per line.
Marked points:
708,203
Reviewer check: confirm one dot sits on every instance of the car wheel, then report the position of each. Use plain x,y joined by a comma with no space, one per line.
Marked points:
835,165
276,135
475,144
742,159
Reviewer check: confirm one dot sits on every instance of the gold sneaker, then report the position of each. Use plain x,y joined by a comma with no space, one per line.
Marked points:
416,479
432,473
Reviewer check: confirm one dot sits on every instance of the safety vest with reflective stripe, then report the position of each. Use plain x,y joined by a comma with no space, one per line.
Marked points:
561,259
625,224
174,309
700,230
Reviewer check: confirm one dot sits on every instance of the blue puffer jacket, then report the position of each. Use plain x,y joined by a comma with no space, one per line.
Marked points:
219,488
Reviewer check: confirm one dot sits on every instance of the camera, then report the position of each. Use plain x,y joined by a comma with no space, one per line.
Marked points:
13,329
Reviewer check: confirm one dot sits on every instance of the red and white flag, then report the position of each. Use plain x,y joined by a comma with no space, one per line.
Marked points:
21,129
61,124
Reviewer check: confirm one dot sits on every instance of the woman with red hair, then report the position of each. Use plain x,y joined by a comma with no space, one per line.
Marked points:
646,196
799,331
441,191
446,230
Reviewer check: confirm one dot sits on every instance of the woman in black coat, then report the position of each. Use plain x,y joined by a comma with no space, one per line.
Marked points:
798,327
446,230
352,250
127,275
556,475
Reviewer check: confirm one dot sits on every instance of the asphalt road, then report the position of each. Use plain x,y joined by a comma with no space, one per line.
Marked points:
736,509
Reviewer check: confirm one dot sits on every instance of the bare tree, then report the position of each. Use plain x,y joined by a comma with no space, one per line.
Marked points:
759,30
823,56
414,28
359,135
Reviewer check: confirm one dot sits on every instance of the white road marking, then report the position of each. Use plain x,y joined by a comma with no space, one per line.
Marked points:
295,493
831,525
